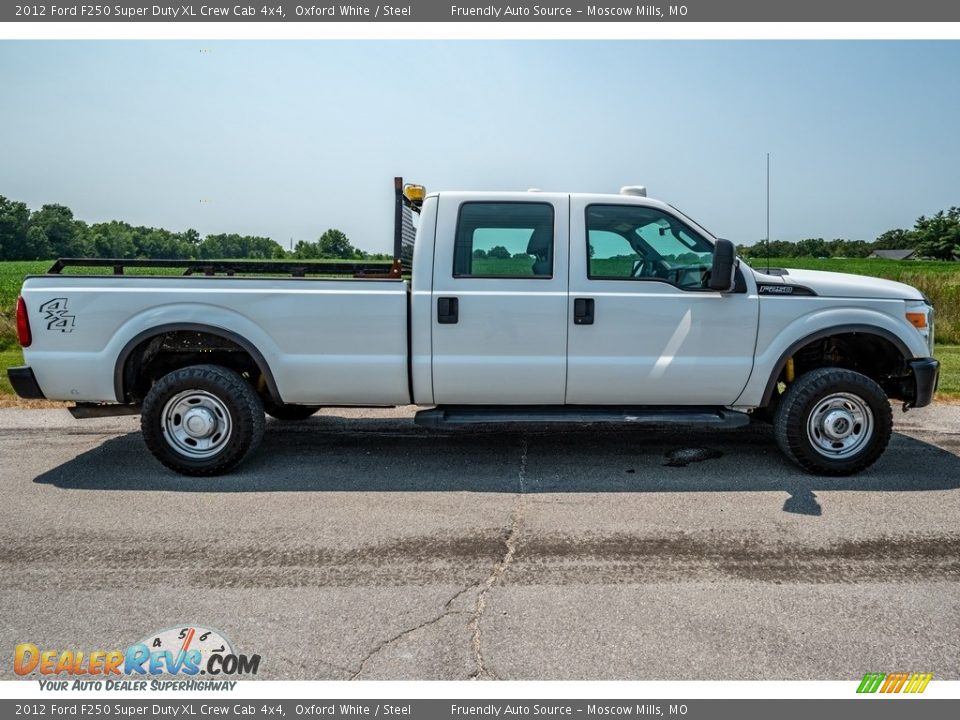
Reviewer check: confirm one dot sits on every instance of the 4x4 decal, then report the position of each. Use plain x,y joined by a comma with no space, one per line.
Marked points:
56,315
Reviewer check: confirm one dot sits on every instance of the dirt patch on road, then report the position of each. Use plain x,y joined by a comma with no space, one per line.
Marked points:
548,559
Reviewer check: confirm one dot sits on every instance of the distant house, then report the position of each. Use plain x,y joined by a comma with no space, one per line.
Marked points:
893,254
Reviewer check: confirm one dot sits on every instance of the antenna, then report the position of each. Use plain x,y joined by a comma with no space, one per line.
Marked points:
768,214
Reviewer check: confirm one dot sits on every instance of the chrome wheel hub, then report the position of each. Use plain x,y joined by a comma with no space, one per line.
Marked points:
837,424
199,422
196,424
840,425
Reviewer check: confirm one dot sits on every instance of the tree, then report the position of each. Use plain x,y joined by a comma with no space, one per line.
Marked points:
190,238
113,240
778,248
14,223
499,252
939,236
306,250
898,239
479,254
848,248
53,230
158,243
233,245
39,246
812,247
262,248
334,244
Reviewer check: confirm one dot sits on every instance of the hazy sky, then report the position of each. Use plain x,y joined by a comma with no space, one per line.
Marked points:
286,139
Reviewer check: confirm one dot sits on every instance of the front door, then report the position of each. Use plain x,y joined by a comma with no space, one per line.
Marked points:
655,334
499,325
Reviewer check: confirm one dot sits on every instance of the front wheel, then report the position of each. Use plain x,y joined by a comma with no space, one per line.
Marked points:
833,421
202,420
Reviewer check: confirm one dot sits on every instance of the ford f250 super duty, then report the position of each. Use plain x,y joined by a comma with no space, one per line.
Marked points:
520,307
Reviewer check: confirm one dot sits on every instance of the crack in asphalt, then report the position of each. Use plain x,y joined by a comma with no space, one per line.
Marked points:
468,588
409,631
510,549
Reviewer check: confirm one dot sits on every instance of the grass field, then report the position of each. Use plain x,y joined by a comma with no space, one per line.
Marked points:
939,280
949,357
8,358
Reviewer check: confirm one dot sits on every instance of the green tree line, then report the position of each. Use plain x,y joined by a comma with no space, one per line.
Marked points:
936,238
52,231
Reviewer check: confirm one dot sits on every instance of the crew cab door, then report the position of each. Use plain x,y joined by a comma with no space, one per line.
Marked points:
653,334
499,310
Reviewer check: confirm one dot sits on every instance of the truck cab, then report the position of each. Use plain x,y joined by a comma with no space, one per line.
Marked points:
559,299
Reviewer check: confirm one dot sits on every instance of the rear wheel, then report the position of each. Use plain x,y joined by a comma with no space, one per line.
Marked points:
833,421
202,420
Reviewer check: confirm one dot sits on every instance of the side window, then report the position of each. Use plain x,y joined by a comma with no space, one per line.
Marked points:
504,239
633,242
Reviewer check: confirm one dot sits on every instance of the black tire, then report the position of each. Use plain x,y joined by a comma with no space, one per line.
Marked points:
222,403
833,421
288,413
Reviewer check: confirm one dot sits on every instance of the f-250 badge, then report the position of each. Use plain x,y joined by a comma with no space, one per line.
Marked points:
57,316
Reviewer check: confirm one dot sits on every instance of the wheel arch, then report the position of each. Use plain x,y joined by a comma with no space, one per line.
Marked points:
835,331
120,384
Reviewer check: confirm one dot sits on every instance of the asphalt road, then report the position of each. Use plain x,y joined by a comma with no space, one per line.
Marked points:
356,545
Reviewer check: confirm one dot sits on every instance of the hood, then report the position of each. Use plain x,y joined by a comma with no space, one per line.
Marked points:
834,284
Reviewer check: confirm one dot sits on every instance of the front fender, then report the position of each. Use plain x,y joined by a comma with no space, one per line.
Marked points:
816,324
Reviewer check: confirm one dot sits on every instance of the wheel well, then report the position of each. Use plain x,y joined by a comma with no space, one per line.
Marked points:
869,354
146,359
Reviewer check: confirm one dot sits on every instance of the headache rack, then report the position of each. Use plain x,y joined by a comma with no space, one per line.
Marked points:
404,235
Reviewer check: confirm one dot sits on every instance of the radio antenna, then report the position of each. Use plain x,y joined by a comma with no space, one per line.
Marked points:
768,214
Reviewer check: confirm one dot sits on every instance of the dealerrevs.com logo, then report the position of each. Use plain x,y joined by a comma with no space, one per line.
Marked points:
185,651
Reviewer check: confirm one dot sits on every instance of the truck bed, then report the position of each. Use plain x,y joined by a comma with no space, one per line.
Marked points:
327,341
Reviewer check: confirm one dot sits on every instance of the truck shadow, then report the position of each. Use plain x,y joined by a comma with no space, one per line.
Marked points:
329,454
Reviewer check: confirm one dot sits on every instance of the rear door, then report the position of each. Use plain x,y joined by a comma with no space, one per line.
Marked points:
499,325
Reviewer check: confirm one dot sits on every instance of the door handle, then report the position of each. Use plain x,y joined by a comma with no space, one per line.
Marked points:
448,310
583,311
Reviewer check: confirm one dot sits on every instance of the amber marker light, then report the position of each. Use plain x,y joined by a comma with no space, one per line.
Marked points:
414,193
917,319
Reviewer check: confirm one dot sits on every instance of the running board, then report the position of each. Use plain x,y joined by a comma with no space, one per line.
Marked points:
713,417
86,411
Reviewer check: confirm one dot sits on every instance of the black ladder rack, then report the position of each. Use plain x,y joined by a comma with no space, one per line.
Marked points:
368,269
404,236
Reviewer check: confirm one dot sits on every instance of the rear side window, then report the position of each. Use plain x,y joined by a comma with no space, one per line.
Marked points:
504,240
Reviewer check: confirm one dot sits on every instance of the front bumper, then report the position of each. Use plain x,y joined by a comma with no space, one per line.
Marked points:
925,374
24,383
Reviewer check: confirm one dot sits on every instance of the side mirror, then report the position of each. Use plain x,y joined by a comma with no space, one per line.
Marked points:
724,264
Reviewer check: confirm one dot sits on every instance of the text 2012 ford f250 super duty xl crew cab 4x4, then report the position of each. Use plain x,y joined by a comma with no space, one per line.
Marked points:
521,307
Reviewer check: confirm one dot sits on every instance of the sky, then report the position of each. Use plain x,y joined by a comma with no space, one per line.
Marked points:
286,139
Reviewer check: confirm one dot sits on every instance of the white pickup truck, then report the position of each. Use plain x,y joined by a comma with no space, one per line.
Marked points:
520,307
